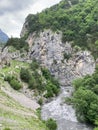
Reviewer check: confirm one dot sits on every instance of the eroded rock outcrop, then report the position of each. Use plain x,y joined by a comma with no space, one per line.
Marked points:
60,58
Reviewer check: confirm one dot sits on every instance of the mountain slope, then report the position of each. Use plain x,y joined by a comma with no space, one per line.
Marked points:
77,19
15,116
17,111
3,37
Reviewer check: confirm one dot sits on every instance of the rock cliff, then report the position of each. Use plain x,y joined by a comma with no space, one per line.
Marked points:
64,61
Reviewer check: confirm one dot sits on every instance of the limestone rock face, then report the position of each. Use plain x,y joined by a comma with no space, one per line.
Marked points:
4,58
48,49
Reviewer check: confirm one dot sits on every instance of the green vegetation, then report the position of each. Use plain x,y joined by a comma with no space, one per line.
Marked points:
37,78
40,79
40,101
7,129
18,44
52,85
16,117
13,81
25,75
78,22
96,129
85,98
34,65
67,56
51,124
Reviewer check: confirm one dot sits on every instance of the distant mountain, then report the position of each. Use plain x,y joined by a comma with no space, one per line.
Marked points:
3,37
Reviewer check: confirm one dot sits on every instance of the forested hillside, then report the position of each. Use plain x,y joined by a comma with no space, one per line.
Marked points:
85,98
77,19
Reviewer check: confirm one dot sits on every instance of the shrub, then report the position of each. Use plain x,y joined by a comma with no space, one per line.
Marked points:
34,65
46,73
51,90
13,81
55,82
68,100
15,84
32,83
8,78
40,101
67,56
25,75
38,110
51,124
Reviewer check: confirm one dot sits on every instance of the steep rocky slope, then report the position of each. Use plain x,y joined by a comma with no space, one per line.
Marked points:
64,61
64,38
77,19
17,110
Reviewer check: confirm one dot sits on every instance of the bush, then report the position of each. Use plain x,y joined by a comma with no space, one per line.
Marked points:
46,73
68,100
55,82
51,124
67,56
13,81
32,83
8,78
51,90
34,65
52,86
40,101
15,84
38,110
25,75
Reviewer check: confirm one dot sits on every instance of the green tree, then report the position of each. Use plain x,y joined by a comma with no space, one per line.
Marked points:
86,104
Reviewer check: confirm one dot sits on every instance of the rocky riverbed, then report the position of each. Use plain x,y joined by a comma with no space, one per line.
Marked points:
64,114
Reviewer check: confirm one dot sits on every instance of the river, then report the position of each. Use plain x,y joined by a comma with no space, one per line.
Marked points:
64,114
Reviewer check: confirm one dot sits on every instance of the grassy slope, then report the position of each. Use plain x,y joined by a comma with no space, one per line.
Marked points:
12,114
16,117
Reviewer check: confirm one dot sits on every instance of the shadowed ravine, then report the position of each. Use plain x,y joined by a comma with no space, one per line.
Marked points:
63,113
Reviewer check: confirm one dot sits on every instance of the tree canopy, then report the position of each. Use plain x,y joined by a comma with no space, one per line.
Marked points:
85,98
77,19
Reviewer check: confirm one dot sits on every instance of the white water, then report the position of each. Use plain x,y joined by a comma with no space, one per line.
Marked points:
64,114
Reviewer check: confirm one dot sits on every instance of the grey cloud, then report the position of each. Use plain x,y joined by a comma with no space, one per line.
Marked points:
14,12
14,5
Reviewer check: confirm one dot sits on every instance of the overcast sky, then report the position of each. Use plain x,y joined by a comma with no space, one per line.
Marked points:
14,12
